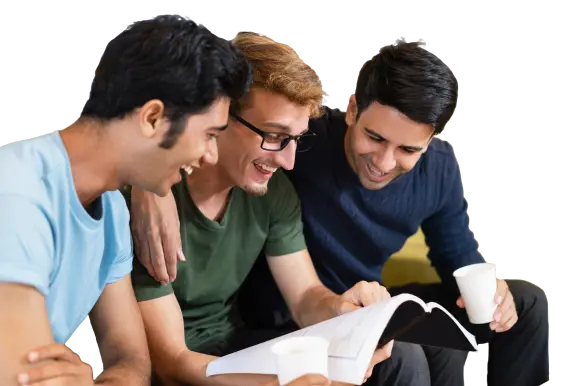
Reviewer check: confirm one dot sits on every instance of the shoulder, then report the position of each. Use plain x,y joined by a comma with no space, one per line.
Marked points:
116,214
439,160
29,165
332,121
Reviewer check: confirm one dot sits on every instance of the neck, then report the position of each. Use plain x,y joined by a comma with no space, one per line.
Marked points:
92,162
209,183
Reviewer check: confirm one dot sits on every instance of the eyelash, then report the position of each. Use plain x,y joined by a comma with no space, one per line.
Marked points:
379,140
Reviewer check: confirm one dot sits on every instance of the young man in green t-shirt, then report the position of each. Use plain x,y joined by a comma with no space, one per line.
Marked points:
230,212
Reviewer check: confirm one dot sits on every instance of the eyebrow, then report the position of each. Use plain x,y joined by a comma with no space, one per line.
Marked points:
219,128
380,137
282,127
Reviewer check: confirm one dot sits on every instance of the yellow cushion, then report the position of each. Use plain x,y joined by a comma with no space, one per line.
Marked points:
410,264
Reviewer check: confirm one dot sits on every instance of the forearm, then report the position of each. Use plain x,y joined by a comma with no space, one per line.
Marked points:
133,371
317,305
189,368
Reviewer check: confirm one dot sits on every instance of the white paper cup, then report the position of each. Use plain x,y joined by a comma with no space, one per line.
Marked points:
301,355
477,285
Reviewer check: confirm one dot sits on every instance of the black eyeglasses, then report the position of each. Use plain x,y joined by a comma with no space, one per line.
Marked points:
274,141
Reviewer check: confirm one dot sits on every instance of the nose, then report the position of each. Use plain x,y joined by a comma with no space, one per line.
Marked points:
211,155
384,159
286,157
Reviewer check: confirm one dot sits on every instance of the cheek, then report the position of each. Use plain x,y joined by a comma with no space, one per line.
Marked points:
194,146
361,144
407,162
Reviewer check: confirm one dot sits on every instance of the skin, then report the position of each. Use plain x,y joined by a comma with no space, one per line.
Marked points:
381,145
239,165
104,157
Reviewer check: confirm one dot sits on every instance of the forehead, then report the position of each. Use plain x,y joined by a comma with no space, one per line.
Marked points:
269,107
394,126
216,115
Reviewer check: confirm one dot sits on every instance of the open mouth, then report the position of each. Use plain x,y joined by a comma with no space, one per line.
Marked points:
265,170
375,174
188,169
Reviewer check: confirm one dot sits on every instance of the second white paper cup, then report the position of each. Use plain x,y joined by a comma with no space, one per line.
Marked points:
477,285
301,355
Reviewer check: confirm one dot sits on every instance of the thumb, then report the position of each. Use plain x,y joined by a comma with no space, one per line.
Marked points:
347,306
460,302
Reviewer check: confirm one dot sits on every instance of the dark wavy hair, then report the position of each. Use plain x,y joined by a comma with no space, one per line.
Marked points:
412,80
172,59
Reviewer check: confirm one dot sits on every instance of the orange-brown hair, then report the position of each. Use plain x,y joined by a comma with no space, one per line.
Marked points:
278,68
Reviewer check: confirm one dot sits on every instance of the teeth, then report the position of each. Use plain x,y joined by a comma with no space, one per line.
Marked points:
266,167
187,168
377,173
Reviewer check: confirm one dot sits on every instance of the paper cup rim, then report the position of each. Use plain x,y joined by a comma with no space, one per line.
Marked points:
305,342
473,268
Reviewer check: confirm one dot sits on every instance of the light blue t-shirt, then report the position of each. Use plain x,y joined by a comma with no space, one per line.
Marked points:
49,241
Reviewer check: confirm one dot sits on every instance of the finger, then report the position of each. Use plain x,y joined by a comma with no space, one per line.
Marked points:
58,381
53,351
507,315
369,293
158,260
171,252
501,290
181,255
310,379
346,307
49,370
179,246
143,256
508,324
460,302
383,353
506,305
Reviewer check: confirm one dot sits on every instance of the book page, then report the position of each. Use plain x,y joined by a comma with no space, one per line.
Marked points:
352,336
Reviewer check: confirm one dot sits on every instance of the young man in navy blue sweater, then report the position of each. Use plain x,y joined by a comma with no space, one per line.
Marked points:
376,174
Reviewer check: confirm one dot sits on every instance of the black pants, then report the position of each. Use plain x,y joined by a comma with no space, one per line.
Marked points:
518,357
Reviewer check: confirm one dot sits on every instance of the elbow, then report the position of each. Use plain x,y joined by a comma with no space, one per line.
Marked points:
165,366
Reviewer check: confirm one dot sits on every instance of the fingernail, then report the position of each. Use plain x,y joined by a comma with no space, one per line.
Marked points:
499,300
33,356
164,283
23,378
171,279
182,255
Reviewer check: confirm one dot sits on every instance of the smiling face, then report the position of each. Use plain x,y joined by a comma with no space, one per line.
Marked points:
242,157
382,144
157,168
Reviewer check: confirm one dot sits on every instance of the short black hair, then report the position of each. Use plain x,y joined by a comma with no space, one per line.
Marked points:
170,58
412,80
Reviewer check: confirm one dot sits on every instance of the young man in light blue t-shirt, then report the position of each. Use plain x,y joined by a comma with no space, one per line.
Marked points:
159,98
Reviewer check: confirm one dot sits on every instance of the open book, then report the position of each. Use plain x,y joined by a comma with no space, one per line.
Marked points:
354,337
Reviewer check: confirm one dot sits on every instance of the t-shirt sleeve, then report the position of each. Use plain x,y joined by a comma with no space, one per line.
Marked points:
145,286
286,227
451,242
122,263
26,243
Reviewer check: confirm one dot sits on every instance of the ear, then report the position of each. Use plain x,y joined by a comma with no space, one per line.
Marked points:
351,114
150,116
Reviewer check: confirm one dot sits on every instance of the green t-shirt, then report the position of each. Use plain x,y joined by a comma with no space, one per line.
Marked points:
219,256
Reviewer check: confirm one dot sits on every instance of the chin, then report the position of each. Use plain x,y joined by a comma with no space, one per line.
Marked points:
255,189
